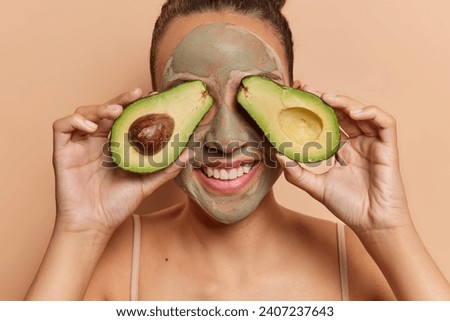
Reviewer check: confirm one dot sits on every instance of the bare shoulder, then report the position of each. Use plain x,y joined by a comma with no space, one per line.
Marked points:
111,279
366,281
316,233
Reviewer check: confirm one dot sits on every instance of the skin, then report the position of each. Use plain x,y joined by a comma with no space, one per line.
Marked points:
272,254
218,54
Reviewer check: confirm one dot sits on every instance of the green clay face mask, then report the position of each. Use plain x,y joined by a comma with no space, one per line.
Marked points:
221,54
219,49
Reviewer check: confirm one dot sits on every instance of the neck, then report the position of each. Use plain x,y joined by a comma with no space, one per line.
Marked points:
241,240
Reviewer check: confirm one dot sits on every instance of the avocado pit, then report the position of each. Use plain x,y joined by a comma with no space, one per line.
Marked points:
148,134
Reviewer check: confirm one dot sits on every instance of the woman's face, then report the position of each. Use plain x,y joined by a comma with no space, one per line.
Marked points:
234,168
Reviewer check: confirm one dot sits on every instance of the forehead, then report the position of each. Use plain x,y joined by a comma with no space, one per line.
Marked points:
219,48
212,36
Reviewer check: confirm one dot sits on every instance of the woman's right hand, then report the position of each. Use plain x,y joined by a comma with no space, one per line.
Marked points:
89,195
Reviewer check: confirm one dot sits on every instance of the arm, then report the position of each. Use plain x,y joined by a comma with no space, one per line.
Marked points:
406,264
67,266
364,189
92,200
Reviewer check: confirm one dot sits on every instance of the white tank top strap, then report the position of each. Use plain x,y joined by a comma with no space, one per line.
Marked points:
342,254
135,258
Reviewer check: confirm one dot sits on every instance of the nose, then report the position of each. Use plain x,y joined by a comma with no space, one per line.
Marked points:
229,131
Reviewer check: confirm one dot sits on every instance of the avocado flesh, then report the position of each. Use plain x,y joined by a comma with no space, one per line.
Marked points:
186,104
297,123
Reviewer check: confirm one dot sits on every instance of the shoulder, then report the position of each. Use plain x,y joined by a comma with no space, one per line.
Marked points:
312,230
155,222
111,279
365,280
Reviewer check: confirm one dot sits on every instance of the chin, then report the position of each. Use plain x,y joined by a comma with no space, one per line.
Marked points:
227,208
226,216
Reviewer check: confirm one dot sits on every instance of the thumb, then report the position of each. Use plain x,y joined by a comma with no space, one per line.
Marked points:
152,181
311,183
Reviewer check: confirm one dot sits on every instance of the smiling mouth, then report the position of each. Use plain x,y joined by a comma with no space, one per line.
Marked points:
225,174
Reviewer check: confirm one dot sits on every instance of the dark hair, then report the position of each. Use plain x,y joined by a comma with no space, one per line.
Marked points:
266,10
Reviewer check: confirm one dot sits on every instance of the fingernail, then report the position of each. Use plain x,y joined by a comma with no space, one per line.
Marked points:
114,107
356,111
280,159
90,124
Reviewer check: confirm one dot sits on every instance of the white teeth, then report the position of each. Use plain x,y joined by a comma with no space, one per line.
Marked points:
247,168
232,174
227,174
223,174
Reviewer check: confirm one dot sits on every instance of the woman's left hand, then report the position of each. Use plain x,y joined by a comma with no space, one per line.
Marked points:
364,188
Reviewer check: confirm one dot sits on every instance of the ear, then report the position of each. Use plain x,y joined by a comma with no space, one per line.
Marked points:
297,84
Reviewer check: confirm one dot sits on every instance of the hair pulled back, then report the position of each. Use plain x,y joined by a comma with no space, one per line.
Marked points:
266,10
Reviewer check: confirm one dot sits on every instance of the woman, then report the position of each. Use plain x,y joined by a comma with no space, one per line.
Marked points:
231,240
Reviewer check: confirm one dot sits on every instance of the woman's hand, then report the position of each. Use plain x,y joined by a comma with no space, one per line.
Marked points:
91,196
364,187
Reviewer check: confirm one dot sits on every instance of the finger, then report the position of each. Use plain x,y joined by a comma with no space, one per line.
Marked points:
377,121
152,181
341,102
344,106
126,98
95,113
368,129
297,84
103,115
347,124
302,178
64,127
115,107
311,90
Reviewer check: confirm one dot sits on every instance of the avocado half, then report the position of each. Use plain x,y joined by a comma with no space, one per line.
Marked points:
152,132
297,123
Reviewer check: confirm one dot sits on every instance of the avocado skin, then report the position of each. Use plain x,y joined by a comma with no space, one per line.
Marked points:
275,107
186,103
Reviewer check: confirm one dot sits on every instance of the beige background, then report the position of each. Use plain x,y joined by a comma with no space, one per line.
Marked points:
57,55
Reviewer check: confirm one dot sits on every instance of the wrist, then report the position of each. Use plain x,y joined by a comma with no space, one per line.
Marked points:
87,237
380,227
386,236
70,225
